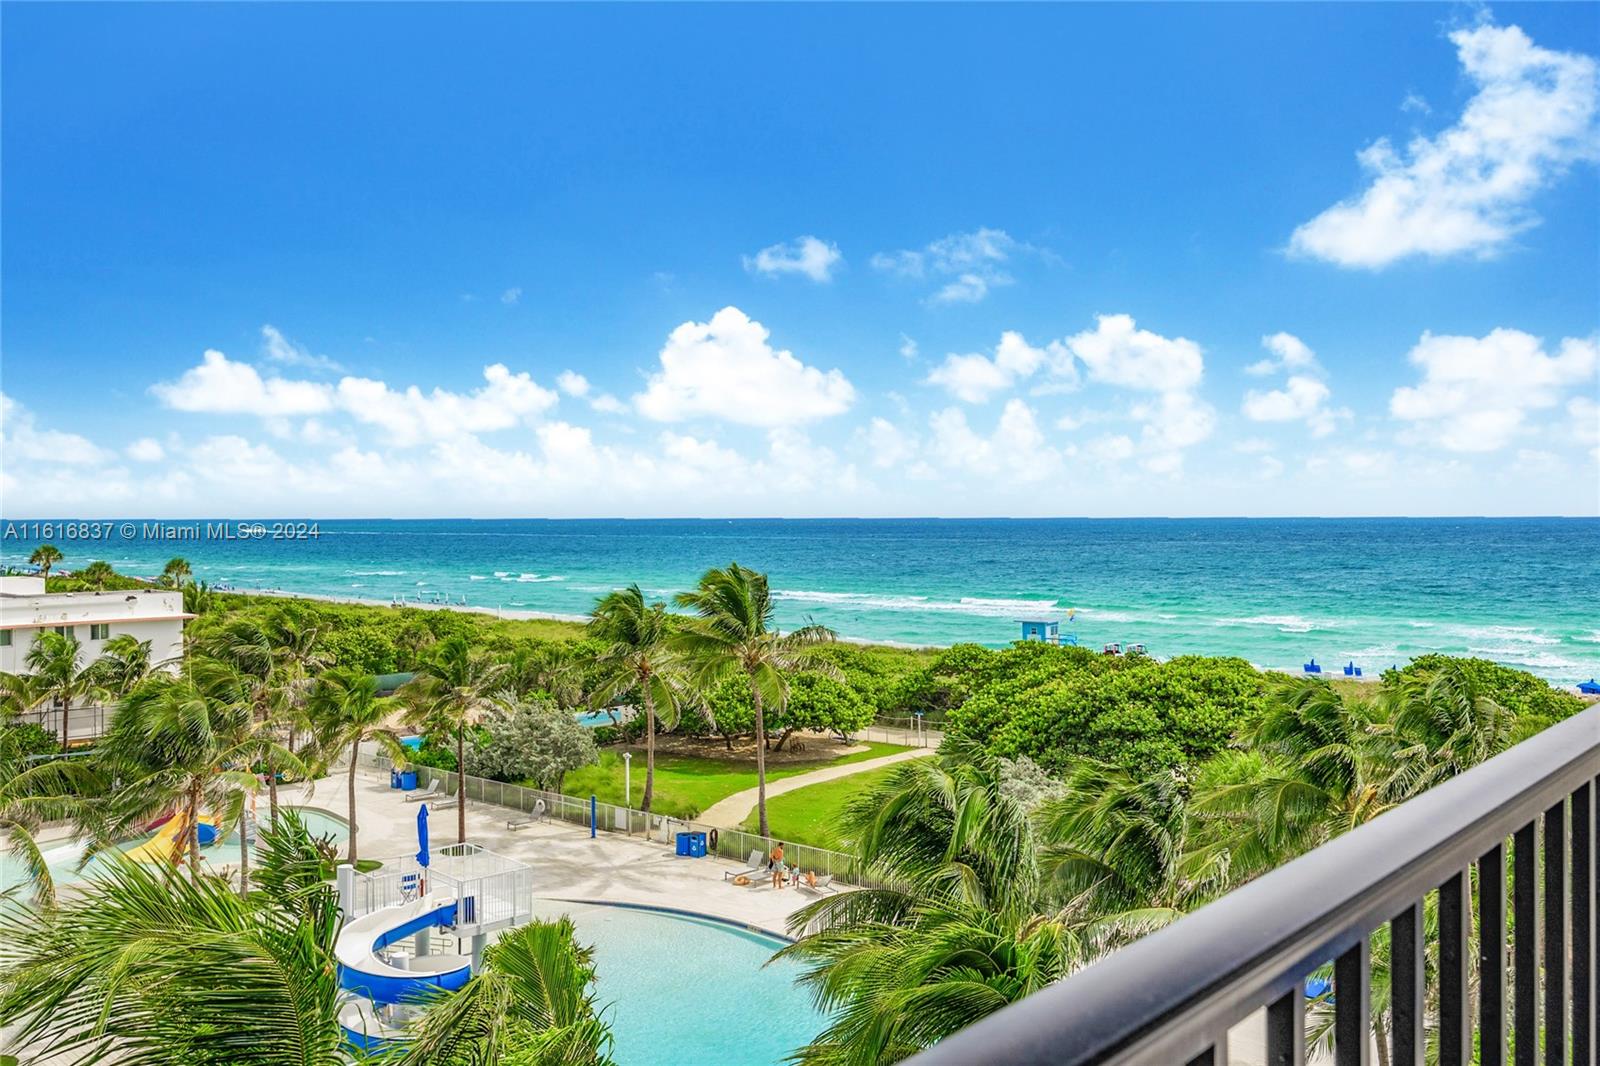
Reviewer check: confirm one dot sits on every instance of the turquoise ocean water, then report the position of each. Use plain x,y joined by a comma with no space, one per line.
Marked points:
1525,592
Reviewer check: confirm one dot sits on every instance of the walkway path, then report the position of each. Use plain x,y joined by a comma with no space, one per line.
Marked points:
730,812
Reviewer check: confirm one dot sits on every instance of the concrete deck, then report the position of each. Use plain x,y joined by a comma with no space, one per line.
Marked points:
567,864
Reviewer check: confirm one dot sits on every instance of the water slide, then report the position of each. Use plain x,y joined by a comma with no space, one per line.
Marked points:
373,981
168,842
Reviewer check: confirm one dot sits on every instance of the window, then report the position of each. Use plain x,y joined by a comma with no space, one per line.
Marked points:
99,631
66,631
5,638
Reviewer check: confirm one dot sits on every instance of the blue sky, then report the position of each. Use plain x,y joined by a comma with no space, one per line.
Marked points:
705,260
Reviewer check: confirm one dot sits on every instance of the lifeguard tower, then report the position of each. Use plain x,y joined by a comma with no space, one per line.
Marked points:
1047,630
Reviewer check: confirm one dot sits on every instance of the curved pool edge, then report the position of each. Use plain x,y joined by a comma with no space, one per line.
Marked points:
681,912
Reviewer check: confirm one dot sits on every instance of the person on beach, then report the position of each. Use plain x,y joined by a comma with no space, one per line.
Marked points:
775,864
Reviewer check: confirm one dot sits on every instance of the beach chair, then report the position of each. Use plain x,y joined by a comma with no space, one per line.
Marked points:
756,863
538,814
824,886
445,801
423,793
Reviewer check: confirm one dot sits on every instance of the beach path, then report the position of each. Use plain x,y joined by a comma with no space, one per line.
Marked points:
731,811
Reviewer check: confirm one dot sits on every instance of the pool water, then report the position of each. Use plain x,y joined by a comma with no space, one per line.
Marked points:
596,718
64,856
683,991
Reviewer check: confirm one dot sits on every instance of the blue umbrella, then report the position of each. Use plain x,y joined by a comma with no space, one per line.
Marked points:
422,835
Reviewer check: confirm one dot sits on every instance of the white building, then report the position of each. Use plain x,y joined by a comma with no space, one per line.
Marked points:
93,618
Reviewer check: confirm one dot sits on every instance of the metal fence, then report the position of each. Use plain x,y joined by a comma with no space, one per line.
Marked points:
732,844
1487,989
492,891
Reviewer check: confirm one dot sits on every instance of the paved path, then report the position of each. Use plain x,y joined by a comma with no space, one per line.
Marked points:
730,812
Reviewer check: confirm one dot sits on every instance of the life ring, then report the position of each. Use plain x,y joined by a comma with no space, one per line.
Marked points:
711,841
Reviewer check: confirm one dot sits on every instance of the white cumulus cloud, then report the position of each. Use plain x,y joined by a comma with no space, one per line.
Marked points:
975,377
725,369
411,416
146,450
972,262
1476,392
1466,189
810,256
1017,450
222,386
23,443
1304,396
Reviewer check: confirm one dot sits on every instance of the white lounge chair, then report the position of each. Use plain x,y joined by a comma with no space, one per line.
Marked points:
538,814
824,886
757,863
418,795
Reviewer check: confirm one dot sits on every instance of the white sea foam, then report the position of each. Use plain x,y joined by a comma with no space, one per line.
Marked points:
540,577
373,573
1283,623
1537,660
869,601
1504,634
1593,637
476,577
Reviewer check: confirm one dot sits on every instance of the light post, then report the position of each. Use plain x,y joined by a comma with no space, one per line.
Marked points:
627,779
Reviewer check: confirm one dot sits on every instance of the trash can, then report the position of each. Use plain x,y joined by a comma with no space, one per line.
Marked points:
697,845
394,778
408,780
683,843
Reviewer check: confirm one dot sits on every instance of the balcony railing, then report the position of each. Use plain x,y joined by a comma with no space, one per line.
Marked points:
1173,996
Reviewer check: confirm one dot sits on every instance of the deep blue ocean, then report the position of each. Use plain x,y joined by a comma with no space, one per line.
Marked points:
1525,592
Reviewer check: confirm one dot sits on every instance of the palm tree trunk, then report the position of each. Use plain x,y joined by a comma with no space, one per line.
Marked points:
272,796
461,785
761,761
244,849
649,750
355,755
193,831
66,736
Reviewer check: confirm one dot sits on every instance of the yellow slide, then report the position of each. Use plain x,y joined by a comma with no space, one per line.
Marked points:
164,846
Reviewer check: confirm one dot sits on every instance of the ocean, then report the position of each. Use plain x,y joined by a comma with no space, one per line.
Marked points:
1278,592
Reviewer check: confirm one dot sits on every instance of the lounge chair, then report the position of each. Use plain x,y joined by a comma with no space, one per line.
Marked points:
824,886
538,814
446,801
757,863
421,794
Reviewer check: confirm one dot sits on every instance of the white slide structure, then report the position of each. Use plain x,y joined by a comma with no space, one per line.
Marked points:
375,981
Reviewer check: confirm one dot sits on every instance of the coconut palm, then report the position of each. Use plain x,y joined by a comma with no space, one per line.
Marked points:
124,662
197,598
532,1004
144,967
59,675
548,668
637,657
960,928
179,743
176,573
34,790
97,573
1440,724
452,691
733,636
346,711
44,557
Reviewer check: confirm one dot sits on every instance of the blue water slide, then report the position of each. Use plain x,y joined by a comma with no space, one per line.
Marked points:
363,972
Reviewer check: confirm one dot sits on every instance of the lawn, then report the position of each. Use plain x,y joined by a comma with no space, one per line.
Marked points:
687,784
811,815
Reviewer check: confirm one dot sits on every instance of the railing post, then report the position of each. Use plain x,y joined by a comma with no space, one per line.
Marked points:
1555,935
1352,1008
1455,1017
1584,1005
1492,957
1525,948
1406,991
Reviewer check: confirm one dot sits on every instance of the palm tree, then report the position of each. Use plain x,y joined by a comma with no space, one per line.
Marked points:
97,573
733,635
960,928
178,742
58,675
637,656
176,573
452,691
143,966
44,557
197,598
124,662
346,710
532,1003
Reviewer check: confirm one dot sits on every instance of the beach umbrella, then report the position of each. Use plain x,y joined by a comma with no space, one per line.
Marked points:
422,836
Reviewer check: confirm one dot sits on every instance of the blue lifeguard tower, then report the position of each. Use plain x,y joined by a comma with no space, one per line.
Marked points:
1042,629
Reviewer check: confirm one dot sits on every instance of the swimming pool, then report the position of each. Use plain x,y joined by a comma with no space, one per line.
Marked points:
685,991
63,856
596,718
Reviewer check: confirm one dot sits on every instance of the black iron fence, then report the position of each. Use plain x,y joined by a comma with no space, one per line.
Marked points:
1508,850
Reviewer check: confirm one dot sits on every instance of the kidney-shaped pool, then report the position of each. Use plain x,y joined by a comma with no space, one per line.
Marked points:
684,991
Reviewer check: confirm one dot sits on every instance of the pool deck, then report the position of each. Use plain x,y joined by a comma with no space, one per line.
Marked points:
567,863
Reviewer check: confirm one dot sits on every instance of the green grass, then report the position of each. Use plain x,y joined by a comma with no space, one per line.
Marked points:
687,784
811,815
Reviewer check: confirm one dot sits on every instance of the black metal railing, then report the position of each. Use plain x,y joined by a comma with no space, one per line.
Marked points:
1173,996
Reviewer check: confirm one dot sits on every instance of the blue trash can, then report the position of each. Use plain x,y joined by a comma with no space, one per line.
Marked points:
408,780
697,845
394,778
683,843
